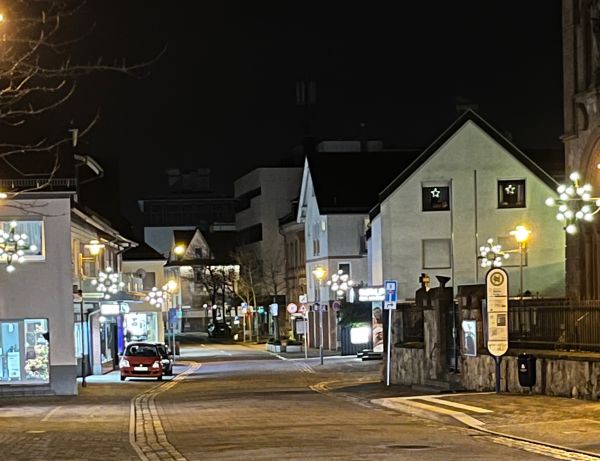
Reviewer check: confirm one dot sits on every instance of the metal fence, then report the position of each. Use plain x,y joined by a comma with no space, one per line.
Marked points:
555,324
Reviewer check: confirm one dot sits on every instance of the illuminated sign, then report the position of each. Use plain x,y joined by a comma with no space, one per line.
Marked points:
360,335
371,294
110,309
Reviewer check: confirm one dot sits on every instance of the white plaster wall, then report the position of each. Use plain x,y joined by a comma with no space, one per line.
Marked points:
375,253
475,216
43,289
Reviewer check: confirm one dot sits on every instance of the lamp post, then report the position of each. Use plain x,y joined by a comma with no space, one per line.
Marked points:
320,273
521,234
164,297
340,283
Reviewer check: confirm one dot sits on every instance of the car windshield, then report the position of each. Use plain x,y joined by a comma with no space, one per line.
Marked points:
163,350
141,350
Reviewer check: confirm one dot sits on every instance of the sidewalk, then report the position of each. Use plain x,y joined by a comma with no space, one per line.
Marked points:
563,422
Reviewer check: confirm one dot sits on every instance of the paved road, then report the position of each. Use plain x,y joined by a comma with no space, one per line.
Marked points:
232,402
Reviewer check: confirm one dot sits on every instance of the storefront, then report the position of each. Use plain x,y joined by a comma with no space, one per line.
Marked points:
24,351
141,326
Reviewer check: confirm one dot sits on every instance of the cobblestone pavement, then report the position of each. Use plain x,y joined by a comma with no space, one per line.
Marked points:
147,435
238,403
92,426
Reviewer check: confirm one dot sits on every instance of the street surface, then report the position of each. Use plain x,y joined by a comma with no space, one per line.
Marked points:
234,402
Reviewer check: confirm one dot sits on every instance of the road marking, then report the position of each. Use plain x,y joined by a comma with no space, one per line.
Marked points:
50,413
146,433
35,432
534,446
461,406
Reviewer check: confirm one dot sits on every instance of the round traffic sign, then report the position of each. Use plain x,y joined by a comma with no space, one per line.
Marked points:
292,308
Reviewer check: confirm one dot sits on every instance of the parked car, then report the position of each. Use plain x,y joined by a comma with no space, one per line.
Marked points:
141,360
219,330
167,358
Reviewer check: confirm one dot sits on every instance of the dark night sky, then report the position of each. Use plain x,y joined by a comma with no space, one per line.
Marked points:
223,95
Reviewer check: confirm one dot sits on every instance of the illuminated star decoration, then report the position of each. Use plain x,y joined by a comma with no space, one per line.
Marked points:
492,254
510,189
435,193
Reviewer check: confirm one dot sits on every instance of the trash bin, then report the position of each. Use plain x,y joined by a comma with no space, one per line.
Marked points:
526,364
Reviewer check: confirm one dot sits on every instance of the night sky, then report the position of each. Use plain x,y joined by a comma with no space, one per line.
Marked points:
223,94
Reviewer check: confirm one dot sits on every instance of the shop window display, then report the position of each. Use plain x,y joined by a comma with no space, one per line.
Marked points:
24,352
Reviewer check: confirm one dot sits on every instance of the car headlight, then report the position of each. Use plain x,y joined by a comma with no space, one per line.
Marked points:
156,364
124,363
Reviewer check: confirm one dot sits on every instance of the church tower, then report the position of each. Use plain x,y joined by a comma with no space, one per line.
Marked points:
581,79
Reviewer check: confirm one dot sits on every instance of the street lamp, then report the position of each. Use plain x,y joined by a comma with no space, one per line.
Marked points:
491,254
521,234
320,273
575,203
163,297
108,282
340,283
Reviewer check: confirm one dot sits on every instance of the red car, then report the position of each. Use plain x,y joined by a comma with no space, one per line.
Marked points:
141,360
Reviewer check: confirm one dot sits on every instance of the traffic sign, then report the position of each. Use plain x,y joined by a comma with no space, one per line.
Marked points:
292,308
391,294
336,305
302,309
303,299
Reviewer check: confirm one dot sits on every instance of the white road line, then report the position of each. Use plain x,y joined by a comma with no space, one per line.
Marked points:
461,406
50,413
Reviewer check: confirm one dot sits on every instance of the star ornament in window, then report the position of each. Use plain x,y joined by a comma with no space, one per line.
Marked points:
510,189
435,193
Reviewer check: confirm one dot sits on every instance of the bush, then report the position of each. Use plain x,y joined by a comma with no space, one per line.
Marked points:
293,342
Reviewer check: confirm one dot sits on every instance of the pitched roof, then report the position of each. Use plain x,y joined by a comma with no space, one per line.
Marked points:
183,237
350,182
468,115
143,252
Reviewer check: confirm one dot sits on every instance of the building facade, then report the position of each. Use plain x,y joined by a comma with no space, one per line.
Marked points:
581,80
470,185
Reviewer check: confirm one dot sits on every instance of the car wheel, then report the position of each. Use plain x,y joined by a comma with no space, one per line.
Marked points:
122,378
159,378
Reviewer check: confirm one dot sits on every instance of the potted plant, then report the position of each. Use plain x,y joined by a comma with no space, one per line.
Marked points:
293,345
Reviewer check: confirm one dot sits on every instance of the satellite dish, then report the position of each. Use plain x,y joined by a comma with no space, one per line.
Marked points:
141,273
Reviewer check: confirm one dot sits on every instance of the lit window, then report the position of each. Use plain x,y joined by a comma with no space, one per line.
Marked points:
511,194
436,198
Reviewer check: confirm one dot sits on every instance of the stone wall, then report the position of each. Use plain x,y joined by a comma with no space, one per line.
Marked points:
407,366
577,376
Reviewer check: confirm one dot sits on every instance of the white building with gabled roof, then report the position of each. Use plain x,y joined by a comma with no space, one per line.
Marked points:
471,184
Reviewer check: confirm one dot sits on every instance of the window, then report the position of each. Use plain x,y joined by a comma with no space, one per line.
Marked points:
436,198
24,351
345,268
436,254
35,237
511,194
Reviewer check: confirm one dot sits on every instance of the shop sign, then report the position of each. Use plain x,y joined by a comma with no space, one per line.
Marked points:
110,309
367,294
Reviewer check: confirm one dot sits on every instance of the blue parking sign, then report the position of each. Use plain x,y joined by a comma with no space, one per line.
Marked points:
391,293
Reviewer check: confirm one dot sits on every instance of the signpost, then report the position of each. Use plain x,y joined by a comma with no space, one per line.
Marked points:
244,312
496,282
391,297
